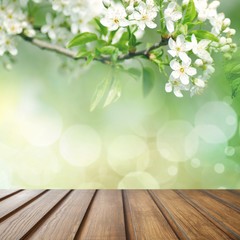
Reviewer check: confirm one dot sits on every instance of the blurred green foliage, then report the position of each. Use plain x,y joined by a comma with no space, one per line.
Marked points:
49,138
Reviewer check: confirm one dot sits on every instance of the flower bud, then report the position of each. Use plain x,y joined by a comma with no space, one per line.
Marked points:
225,48
232,32
199,82
223,41
106,3
152,56
226,22
215,4
130,9
199,62
229,40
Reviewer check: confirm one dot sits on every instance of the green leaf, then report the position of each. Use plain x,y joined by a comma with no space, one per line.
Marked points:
236,87
100,92
122,44
132,40
232,71
201,34
134,73
110,89
82,39
191,12
148,81
108,50
114,93
90,58
102,29
83,53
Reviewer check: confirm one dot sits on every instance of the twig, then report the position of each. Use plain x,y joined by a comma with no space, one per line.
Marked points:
68,53
51,47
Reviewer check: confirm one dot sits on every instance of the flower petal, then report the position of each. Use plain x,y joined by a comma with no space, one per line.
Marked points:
168,87
170,26
178,93
184,79
171,43
184,57
175,74
151,24
175,65
191,71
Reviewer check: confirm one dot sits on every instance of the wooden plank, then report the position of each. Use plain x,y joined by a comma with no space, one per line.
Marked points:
64,223
13,203
147,220
184,218
130,231
221,215
226,197
105,219
22,222
7,193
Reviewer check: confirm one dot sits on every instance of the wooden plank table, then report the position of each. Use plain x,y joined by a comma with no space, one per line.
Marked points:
119,215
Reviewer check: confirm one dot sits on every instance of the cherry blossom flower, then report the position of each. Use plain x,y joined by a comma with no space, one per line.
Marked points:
115,18
179,48
175,86
200,49
182,71
52,24
144,15
171,16
7,45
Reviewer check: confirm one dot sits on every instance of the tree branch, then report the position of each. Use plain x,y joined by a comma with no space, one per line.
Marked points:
68,53
50,47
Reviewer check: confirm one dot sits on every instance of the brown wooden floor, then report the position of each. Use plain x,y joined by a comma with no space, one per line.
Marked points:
113,214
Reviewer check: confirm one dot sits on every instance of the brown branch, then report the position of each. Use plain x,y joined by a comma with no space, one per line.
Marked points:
51,47
68,53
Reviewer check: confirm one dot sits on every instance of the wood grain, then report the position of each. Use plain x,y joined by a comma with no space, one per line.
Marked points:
65,228
221,215
226,197
107,212
13,203
184,218
18,225
119,215
148,222
7,193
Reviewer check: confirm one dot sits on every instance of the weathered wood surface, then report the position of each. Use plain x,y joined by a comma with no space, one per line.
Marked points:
119,215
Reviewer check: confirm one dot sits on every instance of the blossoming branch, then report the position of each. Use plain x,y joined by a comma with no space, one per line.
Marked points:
111,32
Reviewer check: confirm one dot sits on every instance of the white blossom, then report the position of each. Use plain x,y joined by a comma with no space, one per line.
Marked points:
52,24
200,49
7,45
175,86
115,18
172,15
182,71
144,15
179,48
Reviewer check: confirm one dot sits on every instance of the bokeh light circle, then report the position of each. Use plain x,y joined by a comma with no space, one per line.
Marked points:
220,173
219,168
216,122
40,125
37,167
177,141
80,145
230,151
138,180
173,170
195,163
128,153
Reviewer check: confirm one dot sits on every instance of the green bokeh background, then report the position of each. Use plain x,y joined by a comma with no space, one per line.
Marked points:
50,139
